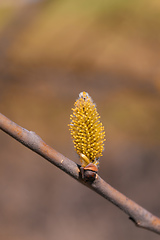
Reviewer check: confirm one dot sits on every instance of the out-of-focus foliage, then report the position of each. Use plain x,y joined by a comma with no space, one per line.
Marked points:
114,35
50,51
6,14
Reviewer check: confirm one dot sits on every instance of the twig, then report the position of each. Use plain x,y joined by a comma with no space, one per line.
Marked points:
140,216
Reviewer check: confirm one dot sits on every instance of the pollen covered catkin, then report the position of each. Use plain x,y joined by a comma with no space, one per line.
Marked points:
86,130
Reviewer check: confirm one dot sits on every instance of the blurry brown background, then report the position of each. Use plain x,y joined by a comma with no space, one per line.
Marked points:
49,52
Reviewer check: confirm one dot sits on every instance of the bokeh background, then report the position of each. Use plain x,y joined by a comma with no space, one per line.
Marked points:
50,51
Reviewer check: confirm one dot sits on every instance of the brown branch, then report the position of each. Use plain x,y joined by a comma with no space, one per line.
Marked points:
140,216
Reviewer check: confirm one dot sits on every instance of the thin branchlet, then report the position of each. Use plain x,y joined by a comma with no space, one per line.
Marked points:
138,214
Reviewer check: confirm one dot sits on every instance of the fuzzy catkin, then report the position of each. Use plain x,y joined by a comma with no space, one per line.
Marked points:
86,129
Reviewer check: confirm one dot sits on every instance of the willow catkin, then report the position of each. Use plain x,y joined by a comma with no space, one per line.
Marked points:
86,130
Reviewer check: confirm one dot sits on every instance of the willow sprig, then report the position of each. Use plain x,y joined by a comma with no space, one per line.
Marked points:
86,130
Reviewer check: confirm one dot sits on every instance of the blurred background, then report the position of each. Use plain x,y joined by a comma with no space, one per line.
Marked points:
50,51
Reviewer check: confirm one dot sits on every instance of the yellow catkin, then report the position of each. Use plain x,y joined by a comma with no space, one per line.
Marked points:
86,130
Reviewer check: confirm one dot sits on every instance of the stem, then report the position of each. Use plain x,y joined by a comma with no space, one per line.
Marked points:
140,216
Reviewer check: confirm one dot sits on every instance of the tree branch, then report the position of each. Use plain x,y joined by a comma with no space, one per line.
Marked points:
140,216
